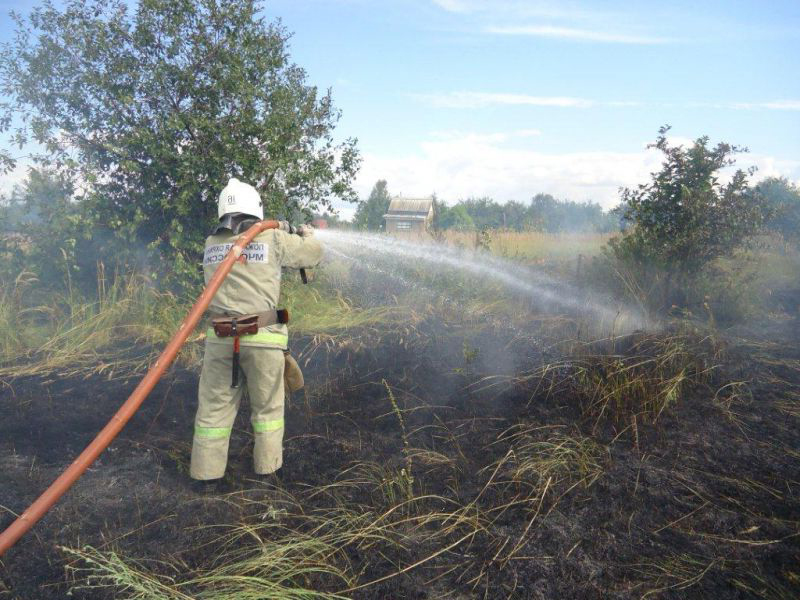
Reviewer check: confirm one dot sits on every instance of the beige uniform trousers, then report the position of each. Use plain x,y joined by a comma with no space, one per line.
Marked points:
218,404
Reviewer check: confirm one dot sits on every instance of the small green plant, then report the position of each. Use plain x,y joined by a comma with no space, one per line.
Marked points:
483,240
559,456
405,477
469,352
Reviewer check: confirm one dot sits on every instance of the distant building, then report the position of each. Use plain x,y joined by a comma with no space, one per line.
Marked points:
409,215
320,223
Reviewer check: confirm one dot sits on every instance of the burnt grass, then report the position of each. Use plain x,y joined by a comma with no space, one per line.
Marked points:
702,504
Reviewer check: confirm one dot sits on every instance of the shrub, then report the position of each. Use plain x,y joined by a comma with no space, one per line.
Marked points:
685,218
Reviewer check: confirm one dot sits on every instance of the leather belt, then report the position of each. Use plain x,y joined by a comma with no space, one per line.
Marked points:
265,319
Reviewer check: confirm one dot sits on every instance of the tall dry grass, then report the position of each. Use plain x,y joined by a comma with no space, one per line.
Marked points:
68,331
46,330
530,245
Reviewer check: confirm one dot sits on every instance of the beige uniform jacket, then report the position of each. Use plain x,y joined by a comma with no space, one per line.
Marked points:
254,282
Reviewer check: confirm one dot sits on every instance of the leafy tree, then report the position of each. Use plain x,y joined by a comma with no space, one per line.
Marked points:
369,214
484,212
13,214
13,220
552,215
439,210
684,218
783,198
56,243
457,218
540,212
153,109
515,215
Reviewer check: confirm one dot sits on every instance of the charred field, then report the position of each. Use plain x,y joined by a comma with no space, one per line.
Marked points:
448,453
552,352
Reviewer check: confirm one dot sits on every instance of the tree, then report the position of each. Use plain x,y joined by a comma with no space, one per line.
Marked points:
439,211
783,199
552,215
484,212
57,245
13,213
515,215
152,110
685,218
369,214
457,218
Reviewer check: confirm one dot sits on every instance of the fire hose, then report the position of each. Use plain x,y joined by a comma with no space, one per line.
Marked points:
58,488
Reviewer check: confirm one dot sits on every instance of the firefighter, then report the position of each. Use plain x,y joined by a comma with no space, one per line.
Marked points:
252,287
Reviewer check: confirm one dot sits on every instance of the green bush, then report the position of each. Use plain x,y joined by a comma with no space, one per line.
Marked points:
783,198
683,220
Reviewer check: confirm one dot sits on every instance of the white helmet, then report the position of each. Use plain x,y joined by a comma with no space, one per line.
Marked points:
239,197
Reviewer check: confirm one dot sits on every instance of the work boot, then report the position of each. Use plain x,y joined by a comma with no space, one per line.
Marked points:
206,487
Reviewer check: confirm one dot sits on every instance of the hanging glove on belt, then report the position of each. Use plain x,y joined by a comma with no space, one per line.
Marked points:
292,375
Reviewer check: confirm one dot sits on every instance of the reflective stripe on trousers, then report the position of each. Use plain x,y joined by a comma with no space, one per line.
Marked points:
262,337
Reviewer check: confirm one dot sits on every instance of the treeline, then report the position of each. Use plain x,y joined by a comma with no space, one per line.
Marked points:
542,213
779,197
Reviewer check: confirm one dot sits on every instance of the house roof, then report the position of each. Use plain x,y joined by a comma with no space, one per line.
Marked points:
410,207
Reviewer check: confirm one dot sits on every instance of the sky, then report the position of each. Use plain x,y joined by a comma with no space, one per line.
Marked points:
510,98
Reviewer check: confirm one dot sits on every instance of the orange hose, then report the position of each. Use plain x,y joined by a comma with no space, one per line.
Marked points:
57,489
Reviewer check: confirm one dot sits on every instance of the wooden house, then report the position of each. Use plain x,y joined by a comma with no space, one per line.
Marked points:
409,215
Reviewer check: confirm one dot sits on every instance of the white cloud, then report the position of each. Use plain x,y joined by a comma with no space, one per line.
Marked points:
774,105
517,9
570,33
460,167
484,99
769,166
624,104
456,167
565,20
472,100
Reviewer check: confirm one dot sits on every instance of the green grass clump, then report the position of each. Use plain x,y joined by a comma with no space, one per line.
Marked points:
558,457
70,333
321,308
270,570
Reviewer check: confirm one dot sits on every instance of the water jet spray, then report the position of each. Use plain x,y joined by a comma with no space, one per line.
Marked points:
533,284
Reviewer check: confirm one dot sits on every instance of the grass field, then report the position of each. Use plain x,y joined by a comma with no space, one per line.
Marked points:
532,245
456,439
